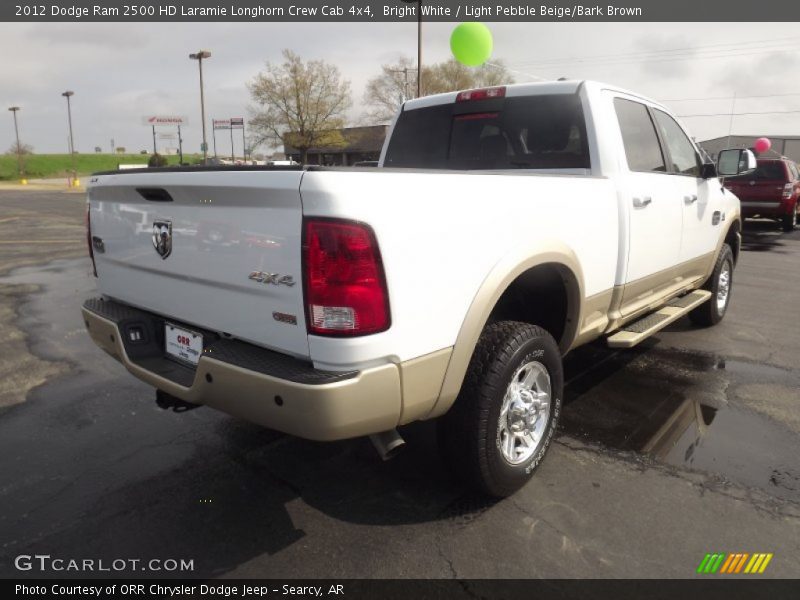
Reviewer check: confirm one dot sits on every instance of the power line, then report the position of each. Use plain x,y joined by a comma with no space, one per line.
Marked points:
768,112
732,97
736,46
634,60
657,55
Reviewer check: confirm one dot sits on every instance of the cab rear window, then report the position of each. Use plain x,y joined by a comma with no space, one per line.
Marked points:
531,132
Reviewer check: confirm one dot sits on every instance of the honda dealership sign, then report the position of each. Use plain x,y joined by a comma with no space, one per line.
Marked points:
164,120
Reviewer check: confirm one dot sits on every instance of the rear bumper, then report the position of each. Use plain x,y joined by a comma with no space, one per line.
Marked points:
252,383
765,209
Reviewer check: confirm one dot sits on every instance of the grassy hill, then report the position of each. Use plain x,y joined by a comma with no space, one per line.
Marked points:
60,165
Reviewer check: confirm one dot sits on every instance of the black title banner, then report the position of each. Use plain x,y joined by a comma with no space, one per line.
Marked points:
390,10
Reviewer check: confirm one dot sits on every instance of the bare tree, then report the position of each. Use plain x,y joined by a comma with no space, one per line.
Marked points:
452,75
23,148
386,92
299,104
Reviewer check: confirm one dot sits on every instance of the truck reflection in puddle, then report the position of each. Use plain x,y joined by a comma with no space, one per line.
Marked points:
683,409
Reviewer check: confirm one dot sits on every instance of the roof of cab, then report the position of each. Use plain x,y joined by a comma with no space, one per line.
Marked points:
569,86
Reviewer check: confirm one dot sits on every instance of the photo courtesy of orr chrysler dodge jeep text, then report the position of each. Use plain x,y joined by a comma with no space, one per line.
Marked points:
502,228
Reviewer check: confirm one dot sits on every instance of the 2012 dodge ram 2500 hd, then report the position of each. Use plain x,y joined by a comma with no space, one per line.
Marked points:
503,228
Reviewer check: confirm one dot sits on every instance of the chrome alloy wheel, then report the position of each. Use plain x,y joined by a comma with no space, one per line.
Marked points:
525,413
723,287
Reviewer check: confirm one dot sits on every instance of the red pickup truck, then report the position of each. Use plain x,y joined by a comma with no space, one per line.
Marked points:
771,191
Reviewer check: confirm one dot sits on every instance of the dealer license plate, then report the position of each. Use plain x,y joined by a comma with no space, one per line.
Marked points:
183,344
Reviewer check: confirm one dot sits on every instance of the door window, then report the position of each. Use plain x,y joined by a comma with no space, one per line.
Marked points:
685,160
639,138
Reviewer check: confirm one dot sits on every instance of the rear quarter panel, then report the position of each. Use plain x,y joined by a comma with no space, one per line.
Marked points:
442,233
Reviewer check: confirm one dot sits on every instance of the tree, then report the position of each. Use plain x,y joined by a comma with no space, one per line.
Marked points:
23,148
301,104
157,160
398,82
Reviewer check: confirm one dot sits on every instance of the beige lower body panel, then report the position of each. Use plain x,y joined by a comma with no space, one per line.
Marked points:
369,403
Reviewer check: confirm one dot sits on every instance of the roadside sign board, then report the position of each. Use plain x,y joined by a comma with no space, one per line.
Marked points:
222,123
156,120
237,122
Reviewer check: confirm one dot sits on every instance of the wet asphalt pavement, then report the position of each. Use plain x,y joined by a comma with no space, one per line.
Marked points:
686,445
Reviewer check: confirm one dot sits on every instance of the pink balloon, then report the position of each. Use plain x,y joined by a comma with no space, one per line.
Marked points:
762,145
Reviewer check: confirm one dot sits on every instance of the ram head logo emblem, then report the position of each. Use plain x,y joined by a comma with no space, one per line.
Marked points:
162,237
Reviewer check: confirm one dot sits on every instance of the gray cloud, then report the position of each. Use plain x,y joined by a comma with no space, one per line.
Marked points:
120,72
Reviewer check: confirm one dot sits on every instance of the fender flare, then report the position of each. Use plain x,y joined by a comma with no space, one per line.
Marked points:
502,275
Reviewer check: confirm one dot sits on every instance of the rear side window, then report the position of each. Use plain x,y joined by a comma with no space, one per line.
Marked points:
681,150
765,171
531,132
642,149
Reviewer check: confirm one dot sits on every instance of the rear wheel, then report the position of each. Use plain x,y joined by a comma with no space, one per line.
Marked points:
720,284
503,421
789,222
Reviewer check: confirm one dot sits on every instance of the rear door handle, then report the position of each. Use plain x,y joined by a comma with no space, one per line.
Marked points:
642,202
690,199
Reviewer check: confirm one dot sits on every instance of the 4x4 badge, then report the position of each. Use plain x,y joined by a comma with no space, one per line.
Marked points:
162,237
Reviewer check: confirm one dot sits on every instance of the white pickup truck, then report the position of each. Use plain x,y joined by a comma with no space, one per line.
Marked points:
503,228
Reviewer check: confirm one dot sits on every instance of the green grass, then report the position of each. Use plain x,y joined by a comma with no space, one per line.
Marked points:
60,165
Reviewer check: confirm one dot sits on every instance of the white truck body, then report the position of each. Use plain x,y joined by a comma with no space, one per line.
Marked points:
623,242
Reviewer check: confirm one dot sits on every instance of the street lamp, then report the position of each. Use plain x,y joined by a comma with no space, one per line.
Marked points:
68,94
419,44
14,110
199,56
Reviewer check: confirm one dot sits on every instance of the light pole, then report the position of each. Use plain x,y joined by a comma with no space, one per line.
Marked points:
419,44
68,94
199,56
14,110
419,48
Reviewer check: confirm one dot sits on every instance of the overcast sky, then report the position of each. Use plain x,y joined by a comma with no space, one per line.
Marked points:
120,72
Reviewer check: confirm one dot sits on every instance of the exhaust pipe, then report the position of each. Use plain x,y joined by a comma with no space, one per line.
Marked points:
387,443
166,401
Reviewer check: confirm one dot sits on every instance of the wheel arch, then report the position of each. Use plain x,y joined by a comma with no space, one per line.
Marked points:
556,266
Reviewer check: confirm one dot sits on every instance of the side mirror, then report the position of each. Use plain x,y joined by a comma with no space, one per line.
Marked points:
735,162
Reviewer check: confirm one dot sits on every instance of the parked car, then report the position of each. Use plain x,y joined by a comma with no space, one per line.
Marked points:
507,226
771,191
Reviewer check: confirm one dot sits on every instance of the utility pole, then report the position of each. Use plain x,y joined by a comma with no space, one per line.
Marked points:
180,146
419,49
244,143
233,158
155,151
419,45
199,56
14,110
68,94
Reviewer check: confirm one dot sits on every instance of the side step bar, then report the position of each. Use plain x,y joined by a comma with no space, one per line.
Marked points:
641,329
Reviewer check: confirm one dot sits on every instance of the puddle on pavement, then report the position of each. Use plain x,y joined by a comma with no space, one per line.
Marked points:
728,417
681,408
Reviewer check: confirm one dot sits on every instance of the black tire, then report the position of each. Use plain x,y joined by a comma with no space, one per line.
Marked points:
710,312
789,222
469,434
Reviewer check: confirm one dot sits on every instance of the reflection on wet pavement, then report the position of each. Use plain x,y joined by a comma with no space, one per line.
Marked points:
683,408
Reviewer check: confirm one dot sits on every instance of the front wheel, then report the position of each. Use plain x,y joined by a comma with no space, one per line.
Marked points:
720,284
501,425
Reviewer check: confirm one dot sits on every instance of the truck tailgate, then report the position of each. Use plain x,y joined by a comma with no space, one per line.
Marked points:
220,250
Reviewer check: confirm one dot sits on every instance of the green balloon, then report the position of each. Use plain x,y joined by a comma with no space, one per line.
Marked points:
471,44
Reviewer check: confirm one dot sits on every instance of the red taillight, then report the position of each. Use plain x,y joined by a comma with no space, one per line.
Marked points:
345,288
788,190
89,237
481,94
